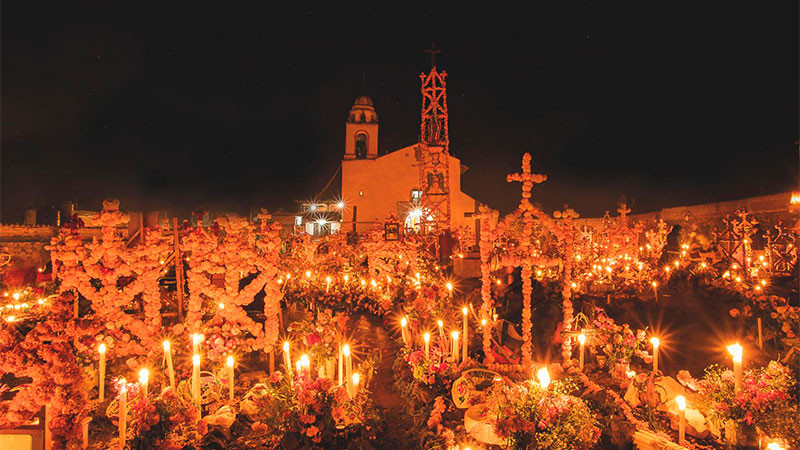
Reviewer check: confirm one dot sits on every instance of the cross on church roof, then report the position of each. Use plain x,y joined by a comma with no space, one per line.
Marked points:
433,52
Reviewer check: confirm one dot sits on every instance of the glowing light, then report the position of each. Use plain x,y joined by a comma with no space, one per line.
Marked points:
304,361
630,373
197,338
340,205
500,282
308,274
544,377
101,348
681,401
346,350
426,337
222,306
449,286
346,277
775,446
403,322
144,376
16,295
40,301
655,341
464,310
312,207
286,346
229,361
582,338
196,360
483,322
166,346
10,319
736,351
440,323
654,283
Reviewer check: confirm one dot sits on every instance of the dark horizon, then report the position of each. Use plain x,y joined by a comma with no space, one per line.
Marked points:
183,108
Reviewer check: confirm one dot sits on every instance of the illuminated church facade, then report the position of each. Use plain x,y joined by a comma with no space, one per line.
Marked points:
375,186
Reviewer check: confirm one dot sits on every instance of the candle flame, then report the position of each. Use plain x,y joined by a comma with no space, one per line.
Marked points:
582,338
356,378
681,401
196,360
464,310
197,338
101,348
544,377
440,323
346,350
655,341
166,346
455,335
144,375
426,337
229,361
736,351
449,286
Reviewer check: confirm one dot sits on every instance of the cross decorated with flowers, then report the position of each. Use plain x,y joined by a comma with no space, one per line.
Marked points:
527,178
623,211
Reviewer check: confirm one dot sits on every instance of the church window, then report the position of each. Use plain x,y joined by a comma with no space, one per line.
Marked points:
416,196
361,146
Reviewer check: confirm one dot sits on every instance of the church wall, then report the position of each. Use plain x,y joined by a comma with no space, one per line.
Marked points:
388,180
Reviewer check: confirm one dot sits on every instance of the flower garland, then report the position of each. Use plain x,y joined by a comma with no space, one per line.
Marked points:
488,218
47,355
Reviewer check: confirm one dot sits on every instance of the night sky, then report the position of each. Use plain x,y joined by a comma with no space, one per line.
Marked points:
182,107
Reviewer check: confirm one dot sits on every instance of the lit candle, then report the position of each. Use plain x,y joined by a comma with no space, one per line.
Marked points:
681,401
356,379
544,377
327,284
170,369
287,358
442,341
464,334
449,286
305,363
229,363
144,378
196,340
196,379
736,352
455,346
346,277
102,375
582,340
403,324
123,411
427,338
760,336
348,362
655,290
655,341
341,363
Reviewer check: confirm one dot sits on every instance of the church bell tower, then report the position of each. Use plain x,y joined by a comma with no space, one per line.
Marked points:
361,131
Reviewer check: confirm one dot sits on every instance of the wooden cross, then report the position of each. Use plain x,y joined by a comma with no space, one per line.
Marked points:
527,178
433,51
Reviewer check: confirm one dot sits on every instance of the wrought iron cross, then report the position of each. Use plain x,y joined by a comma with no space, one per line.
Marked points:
433,52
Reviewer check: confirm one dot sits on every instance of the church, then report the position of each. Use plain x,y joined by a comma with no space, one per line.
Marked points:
400,182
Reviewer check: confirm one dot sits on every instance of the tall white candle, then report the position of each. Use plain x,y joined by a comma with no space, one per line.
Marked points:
760,336
348,362
681,401
341,364
101,378
170,368
582,341
465,333
287,358
403,325
656,342
736,353
455,346
356,379
144,379
449,287
327,284
229,363
427,338
655,289
123,411
196,379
